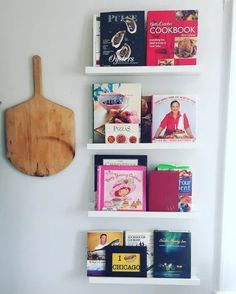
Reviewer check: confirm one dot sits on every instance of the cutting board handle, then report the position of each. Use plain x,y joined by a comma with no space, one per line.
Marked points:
37,76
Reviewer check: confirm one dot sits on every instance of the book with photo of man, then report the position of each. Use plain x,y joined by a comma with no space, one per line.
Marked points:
173,118
97,241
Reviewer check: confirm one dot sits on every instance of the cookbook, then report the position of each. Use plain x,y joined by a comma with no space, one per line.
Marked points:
121,188
122,38
172,37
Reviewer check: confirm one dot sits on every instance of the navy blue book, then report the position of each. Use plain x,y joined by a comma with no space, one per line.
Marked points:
122,38
172,254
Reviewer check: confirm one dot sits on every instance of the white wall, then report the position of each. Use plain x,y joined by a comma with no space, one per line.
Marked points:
43,221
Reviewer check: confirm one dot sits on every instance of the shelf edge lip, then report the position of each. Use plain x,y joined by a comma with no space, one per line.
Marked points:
142,214
147,70
142,146
193,281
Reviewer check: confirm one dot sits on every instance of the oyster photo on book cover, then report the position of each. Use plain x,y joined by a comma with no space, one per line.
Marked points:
173,118
121,188
122,38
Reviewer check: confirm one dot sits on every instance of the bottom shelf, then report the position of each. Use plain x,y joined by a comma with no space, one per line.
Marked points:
194,281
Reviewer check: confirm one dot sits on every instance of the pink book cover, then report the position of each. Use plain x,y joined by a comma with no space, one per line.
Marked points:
121,188
172,37
163,191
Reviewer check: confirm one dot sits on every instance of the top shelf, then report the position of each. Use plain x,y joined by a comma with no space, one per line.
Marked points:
143,70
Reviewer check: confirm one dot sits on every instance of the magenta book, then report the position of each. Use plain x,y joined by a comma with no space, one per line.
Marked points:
121,188
163,190
172,37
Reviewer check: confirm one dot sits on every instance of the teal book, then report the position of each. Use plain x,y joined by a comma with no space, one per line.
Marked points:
172,254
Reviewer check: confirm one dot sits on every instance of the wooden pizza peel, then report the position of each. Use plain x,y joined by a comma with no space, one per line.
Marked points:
40,134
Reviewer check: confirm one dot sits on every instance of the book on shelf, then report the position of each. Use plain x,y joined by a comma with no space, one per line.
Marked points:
163,191
185,184
172,254
172,37
126,261
97,242
173,118
122,133
142,239
109,159
121,188
115,103
96,40
122,38
146,119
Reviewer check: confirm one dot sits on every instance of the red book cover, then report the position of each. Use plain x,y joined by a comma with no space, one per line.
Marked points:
172,37
163,190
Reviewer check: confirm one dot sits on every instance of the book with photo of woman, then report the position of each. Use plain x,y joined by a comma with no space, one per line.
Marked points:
173,118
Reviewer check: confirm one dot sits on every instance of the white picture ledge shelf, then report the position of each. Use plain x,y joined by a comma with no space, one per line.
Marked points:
144,70
142,214
143,146
194,281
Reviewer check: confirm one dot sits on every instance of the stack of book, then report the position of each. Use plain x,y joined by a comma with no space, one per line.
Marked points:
120,38
122,116
122,184
158,254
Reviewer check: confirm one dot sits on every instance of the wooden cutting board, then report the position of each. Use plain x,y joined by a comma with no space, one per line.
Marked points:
39,133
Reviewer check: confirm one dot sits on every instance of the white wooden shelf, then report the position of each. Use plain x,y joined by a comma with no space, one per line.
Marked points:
144,70
142,214
194,281
143,146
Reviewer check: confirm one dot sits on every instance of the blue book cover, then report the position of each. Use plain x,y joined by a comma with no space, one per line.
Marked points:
172,254
122,38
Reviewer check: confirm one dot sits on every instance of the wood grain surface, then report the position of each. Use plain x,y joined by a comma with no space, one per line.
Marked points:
39,133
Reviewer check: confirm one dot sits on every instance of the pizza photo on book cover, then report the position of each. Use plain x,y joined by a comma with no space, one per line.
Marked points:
121,188
172,37
172,254
119,104
122,38
97,242
173,118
